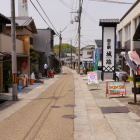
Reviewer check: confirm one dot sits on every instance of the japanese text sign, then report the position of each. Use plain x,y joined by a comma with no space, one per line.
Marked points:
116,87
92,78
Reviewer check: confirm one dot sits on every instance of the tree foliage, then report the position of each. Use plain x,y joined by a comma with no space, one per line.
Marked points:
65,48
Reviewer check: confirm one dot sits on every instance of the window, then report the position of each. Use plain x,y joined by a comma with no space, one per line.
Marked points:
137,21
120,35
31,40
88,53
120,39
128,32
0,28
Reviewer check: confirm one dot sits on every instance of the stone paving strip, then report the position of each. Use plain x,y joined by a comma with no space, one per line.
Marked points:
26,98
90,123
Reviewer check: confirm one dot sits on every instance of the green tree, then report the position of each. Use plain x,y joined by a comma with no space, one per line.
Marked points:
65,48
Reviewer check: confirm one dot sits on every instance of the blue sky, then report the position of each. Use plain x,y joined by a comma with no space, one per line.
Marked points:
59,12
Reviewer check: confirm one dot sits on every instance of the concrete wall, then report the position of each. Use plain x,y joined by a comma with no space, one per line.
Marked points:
85,55
129,19
42,43
21,31
5,44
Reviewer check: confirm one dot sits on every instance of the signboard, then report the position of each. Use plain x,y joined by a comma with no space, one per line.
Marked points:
22,8
115,88
108,48
24,65
92,78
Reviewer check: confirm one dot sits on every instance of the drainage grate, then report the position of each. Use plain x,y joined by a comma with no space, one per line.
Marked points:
55,106
69,116
118,109
69,105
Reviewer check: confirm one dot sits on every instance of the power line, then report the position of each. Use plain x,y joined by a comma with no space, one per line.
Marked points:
66,4
90,17
47,17
112,1
40,14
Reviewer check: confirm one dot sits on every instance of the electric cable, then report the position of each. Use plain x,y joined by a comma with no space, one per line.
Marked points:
47,17
40,14
112,1
90,17
68,6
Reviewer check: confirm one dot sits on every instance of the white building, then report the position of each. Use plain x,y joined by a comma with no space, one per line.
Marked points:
128,31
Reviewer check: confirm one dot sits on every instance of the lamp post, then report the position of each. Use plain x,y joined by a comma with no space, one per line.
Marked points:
13,52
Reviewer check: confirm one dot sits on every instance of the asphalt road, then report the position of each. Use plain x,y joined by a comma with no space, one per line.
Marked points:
42,118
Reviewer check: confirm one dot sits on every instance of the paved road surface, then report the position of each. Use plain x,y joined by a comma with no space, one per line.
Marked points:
39,119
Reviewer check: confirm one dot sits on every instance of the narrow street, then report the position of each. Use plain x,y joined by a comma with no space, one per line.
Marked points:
66,108
42,118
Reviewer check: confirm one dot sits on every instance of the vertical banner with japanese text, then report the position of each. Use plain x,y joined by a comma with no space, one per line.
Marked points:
108,48
22,8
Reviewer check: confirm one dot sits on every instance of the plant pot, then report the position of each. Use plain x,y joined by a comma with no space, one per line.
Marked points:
31,81
9,89
19,87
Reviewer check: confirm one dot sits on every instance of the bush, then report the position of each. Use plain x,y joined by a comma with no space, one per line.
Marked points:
89,69
56,70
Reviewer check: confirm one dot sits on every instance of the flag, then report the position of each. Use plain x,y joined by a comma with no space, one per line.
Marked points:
95,68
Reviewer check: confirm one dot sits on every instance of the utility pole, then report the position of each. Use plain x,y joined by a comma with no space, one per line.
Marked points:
71,54
60,43
13,52
79,34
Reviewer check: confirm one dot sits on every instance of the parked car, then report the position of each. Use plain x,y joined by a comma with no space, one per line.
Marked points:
121,75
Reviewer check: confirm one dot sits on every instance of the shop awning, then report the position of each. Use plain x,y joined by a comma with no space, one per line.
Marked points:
136,36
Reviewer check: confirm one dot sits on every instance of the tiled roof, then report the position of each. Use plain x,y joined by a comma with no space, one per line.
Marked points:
104,21
88,47
23,21
4,19
98,43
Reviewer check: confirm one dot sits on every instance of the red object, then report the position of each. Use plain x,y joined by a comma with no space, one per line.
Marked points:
43,73
51,73
138,70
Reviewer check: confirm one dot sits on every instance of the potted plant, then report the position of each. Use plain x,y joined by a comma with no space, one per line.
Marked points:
9,84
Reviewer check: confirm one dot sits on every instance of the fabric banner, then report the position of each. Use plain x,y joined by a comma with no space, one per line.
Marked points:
96,61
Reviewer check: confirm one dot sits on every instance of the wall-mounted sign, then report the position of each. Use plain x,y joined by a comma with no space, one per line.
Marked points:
115,88
108,48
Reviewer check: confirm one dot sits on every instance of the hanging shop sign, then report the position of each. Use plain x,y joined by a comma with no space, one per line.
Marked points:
115,88
92,78
24,65
108,49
